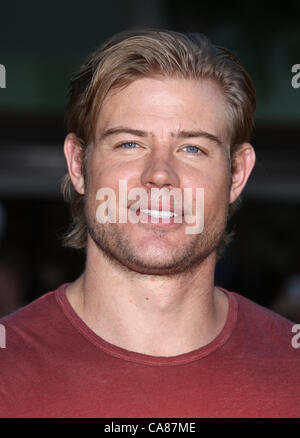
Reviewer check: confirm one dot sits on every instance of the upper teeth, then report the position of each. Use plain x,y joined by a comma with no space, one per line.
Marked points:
159,213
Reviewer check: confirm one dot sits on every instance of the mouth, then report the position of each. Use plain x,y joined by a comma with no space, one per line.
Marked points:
159,218
163,214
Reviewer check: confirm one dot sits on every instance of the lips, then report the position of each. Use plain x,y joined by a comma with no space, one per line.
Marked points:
159,208
160,218
159,213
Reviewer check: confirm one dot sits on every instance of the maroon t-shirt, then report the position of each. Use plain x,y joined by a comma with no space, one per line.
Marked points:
54,365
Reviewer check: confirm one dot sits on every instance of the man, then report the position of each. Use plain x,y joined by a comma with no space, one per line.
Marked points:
144,332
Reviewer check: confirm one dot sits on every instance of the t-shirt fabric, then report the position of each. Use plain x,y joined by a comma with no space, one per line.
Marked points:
55,366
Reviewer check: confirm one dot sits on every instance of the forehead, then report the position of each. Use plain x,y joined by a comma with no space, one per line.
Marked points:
164,105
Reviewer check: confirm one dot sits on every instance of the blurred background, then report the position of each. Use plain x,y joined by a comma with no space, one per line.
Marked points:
42,44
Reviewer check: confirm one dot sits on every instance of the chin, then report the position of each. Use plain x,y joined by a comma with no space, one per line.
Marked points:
152,256
162,269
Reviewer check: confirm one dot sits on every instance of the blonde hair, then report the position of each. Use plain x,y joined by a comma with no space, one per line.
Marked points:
142,53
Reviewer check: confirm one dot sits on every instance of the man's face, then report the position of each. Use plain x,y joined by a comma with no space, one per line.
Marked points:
168,150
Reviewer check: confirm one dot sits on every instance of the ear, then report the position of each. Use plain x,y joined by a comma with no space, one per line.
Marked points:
244,160
73,154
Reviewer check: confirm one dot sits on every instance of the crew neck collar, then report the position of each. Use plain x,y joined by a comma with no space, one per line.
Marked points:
142,358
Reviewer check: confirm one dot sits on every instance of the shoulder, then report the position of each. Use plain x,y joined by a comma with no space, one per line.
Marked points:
33,313
25,328
31,338
263,331
262,316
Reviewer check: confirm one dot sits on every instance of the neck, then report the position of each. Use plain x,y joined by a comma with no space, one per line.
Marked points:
149,314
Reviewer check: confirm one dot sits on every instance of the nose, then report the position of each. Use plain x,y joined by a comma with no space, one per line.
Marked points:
160,172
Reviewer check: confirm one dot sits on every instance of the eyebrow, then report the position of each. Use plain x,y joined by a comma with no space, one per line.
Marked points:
178,134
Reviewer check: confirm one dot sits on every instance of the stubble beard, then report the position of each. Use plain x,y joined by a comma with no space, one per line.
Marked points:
119,249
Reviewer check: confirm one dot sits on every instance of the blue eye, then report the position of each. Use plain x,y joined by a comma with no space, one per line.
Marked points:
193,149
129,145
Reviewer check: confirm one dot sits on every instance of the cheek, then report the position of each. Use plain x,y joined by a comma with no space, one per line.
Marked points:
106,175
215,183
217,193
216,201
